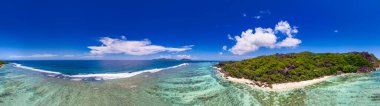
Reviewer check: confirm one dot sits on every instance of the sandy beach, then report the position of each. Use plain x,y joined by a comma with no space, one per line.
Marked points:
275,87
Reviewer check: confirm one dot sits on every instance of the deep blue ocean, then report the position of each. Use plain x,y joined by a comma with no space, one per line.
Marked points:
97,69
74,67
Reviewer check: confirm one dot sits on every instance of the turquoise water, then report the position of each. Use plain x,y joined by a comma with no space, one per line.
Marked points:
196,83
97,69
72,67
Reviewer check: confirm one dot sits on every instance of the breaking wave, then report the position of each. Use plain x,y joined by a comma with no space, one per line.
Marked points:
100,76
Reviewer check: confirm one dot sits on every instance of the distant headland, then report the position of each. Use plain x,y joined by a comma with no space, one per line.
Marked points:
2,63
286,71
170,59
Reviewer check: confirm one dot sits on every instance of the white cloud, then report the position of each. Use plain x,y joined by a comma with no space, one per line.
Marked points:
249,41
220,53
336,31
229,37
92,56
180,56
123,37
68,55
183,56
143,47
35,56
265,37
284,27
244,15
289,42
258,17
224,47
188,46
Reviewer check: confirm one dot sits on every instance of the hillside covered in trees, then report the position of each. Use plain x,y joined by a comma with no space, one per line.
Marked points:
2,63
281,68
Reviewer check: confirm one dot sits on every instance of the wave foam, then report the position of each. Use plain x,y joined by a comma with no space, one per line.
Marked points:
34,69
103,76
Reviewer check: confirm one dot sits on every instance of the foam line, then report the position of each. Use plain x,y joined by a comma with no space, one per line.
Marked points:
34,69
100,76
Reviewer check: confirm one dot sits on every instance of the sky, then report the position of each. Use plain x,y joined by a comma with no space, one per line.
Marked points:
196,29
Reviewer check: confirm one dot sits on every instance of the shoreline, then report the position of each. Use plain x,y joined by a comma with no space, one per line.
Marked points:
279,87
96,76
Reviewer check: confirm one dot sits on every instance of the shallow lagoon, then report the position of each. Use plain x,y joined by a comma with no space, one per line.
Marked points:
193,84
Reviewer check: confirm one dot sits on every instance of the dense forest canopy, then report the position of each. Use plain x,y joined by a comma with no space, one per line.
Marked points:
280,68
2,62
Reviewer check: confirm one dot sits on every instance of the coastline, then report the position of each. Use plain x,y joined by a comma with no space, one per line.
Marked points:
276,87
96,76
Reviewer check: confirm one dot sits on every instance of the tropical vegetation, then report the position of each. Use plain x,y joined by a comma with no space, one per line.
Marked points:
2,62
281,68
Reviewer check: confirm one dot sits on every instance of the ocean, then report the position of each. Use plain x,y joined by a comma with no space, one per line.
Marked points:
162,83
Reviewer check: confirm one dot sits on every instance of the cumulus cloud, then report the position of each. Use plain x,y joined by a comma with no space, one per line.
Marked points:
289,42
224,47
91,56
166,56
69,55
249,41
284,27
183,56
244,15
257,17
180,56
265,37
230,37
220,53
143,47
34,56
123,37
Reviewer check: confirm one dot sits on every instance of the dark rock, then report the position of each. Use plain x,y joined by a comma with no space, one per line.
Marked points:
328,64
365,69
286,70
281,55
184,59
339,72
270,86
369,57
225,75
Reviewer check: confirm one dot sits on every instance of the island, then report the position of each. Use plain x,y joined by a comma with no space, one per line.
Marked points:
165,59
185,59
170,59
286,71
2,63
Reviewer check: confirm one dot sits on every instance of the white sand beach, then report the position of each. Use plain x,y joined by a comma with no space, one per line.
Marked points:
276,87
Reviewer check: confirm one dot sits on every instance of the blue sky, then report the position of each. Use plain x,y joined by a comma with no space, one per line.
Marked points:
146,29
